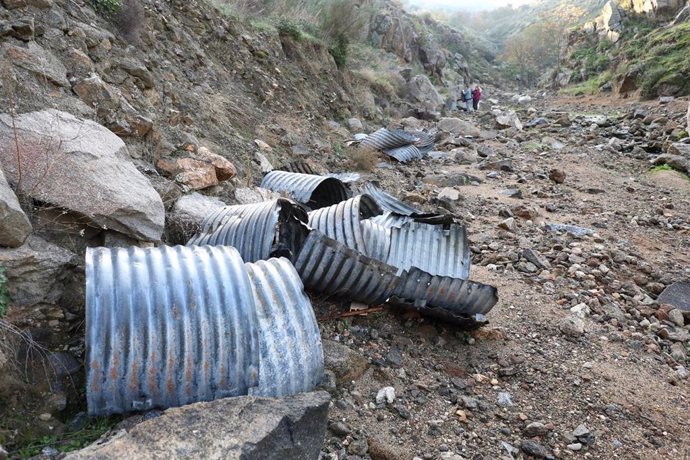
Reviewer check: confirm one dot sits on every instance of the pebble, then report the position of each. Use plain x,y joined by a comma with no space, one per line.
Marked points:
535,449
45,417
340,429
504,399
385,395
572,326
575,446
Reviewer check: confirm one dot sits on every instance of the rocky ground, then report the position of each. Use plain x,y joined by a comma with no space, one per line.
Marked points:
579,359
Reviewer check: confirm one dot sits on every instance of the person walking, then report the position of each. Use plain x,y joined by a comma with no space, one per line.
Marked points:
467,97
476,97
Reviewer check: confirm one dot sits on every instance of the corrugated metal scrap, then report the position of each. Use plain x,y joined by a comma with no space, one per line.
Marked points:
399,144
258,231
169,326
307,189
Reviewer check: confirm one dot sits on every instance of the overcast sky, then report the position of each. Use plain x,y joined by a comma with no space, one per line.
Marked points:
467,4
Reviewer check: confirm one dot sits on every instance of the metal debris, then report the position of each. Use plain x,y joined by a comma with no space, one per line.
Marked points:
346,178
258,231
291,358
310,190
169,326
434,249
330,267
342,223
460,298
405,153
383,139
391,219
298,166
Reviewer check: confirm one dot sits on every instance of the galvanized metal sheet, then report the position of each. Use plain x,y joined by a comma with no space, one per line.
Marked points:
391,219
298,166
346,178
388,202
460,297
330,267
425,143
432,248
405,153
168,326
342,222
258,231
290,341
386,139
313,191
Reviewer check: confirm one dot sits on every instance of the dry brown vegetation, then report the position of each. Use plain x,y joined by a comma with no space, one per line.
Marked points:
362,158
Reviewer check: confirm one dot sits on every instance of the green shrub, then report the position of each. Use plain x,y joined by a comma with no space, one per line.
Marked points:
339,50
290,28
107,6
4,293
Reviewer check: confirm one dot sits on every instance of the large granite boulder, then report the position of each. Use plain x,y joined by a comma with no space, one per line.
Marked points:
423,93
80,166
246,428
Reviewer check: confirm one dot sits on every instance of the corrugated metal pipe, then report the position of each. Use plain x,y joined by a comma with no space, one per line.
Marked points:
307,189
169,326
259,230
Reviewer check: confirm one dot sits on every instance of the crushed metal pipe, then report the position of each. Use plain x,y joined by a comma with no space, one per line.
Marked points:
258,231
308,189
170,326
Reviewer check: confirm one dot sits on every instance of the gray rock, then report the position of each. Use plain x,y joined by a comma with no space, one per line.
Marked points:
504,399
682,150
346,363
613,311
248,195
244,428
187,215
572,229
676,317
80,166
14,225
677,162
339,429
535,449
264,163
36,60
535,429
581,430
36,272
677,294
575,446
458,127
572,326
423,92
385,395
508,120
508,224
536,258
355,125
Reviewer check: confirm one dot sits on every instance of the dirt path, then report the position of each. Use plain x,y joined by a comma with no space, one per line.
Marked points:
524,384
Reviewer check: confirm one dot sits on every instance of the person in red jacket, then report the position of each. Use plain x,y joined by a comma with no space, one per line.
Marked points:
476,97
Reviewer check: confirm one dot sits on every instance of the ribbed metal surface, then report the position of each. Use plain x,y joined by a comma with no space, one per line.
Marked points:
426,142
342,222
290,343
388,202
459,297
391,219
386,139
346,178
405,153
298,166
313,191
431,248
257,230
329,267
168,326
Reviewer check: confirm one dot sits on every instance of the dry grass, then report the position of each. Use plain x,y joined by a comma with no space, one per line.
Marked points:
361,158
